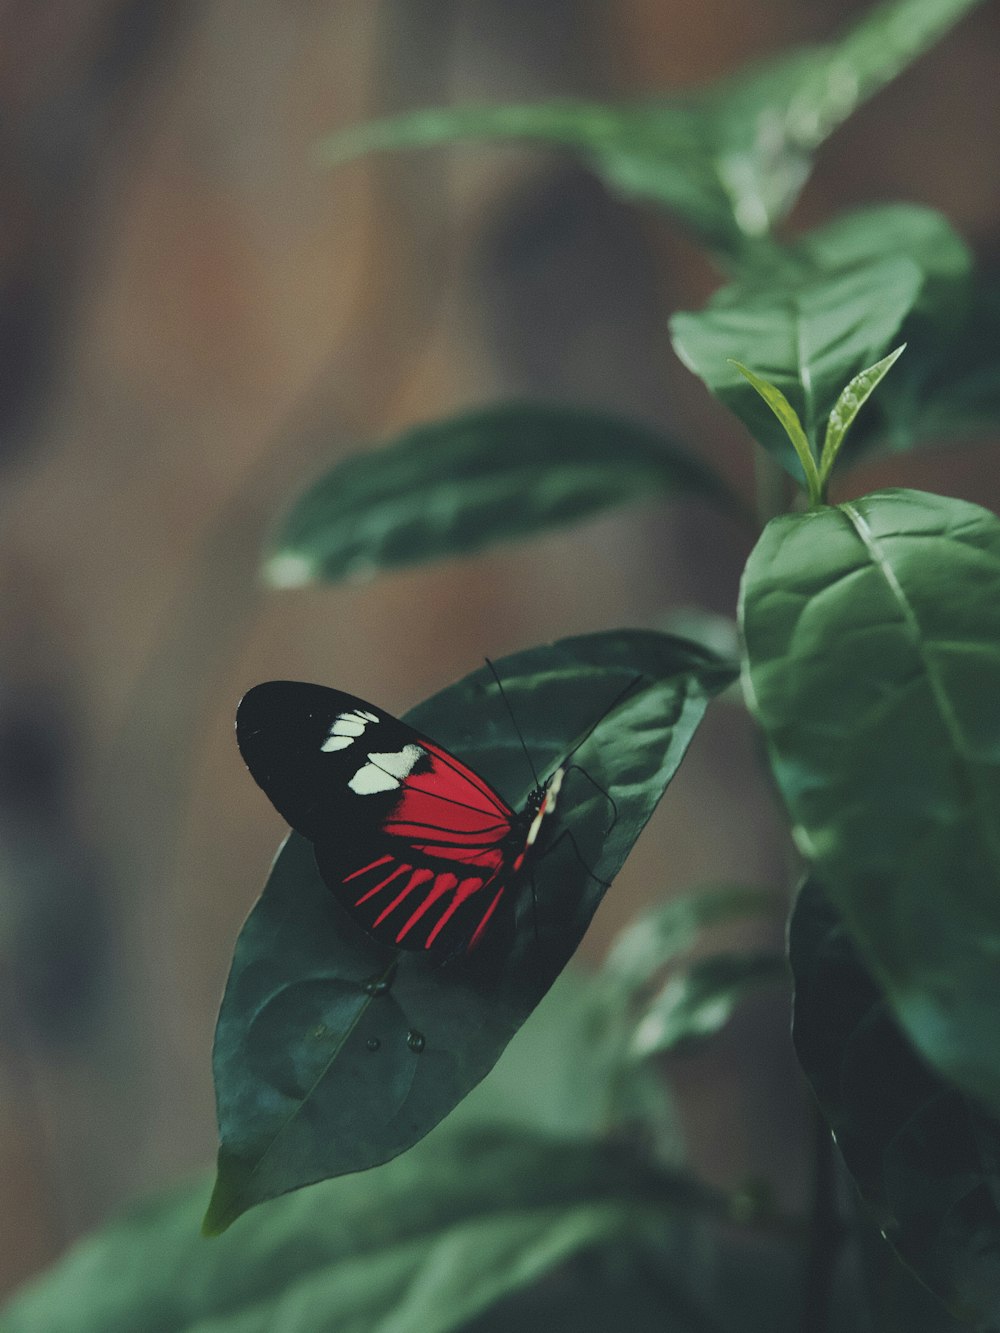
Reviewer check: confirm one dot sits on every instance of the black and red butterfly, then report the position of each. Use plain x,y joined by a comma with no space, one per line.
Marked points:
419,849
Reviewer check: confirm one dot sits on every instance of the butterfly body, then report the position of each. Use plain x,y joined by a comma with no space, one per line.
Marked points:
419,849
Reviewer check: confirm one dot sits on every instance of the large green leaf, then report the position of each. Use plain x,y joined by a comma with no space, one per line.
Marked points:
924,1158
730,161
872,635
823,311
427,1242
472,481
331,1053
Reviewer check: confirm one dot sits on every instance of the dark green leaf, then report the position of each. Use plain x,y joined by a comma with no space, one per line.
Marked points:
730,161
872,635
702,999
427,1242
302,1094
473,481
924,1158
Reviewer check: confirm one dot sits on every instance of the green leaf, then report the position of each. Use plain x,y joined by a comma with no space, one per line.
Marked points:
769,120
822,311
872,635
805,333
316,1073
789,419
701,1001
844,411
729,161
924,1158
634,1092
472,481
427,1242
867,235
661,151
647,946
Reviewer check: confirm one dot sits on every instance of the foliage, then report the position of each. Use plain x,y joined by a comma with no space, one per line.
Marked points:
870,663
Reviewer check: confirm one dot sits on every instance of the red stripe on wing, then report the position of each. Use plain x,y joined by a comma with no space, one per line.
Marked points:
435,897
416,879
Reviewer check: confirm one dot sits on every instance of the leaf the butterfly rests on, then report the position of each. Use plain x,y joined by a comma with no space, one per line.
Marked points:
335,1051
418,848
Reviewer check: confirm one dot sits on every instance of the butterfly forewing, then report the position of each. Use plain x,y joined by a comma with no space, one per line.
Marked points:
417,847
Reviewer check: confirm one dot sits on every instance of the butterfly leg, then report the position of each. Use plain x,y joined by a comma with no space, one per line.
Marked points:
567,835
598,788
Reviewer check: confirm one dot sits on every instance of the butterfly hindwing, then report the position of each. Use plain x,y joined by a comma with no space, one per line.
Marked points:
413,843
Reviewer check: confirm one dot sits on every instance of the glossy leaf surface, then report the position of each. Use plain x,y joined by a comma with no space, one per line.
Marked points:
427,1242
318,1073
872,635
473,481
730,161
924,1158
845,410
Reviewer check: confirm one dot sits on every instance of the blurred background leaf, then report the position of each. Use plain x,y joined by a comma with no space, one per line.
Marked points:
456,486
729,162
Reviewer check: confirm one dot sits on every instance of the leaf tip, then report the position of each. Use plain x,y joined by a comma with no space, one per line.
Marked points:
223,1208
289,569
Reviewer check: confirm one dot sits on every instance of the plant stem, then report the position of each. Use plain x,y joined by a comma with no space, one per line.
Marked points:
825,1232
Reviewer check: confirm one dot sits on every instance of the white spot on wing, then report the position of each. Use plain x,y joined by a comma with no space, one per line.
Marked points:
347,727
337,743
383,772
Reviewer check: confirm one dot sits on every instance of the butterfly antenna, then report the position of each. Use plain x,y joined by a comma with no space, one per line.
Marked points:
510,711
610,709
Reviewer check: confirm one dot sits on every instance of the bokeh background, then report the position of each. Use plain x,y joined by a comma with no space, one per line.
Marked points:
194,321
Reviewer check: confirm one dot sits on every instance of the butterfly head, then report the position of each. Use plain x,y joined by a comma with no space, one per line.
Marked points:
541,803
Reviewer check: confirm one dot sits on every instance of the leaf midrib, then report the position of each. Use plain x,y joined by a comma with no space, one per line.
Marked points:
970,770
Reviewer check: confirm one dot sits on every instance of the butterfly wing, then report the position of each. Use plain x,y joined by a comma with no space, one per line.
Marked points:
409,839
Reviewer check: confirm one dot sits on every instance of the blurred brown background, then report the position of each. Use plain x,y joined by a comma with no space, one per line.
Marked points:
193,320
